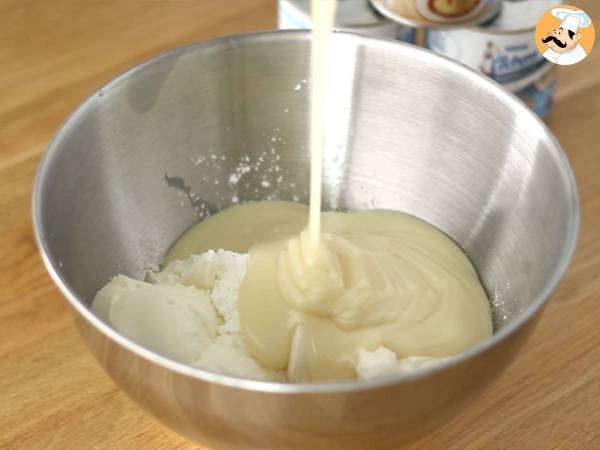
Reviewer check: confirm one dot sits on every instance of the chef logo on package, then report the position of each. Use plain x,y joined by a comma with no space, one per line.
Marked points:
565,35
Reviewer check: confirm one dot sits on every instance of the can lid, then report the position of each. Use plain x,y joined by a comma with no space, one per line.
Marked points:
349,13
438,13
519,15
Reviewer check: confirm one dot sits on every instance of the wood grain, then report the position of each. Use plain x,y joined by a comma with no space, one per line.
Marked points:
53,53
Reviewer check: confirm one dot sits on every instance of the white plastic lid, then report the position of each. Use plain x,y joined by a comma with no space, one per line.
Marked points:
520,15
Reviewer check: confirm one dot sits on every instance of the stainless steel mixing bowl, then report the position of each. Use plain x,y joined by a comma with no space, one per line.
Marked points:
153,151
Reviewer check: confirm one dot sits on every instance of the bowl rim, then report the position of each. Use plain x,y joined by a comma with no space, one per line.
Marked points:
477,79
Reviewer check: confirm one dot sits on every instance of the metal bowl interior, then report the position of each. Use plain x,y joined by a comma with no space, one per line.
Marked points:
152,152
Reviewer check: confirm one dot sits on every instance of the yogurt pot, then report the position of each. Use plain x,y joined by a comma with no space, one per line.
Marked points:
357,16
505,50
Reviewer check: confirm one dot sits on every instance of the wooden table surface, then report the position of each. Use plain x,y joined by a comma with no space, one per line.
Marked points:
53,394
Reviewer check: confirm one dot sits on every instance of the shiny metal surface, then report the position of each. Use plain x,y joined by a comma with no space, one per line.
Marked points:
133,168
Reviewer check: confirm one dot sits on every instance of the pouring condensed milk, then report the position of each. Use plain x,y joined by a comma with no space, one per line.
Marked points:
375,279
322,295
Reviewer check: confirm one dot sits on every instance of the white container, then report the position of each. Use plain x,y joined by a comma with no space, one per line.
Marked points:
506,51
357,16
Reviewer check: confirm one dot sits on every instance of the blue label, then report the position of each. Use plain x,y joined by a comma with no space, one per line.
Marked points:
506,69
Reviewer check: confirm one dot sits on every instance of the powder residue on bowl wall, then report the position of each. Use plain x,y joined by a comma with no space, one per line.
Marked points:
248,179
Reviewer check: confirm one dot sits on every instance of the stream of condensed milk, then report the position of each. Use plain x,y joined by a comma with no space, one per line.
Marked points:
312,297
323,13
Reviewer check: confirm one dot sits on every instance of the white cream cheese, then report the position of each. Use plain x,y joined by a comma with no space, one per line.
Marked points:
383,361
186,312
